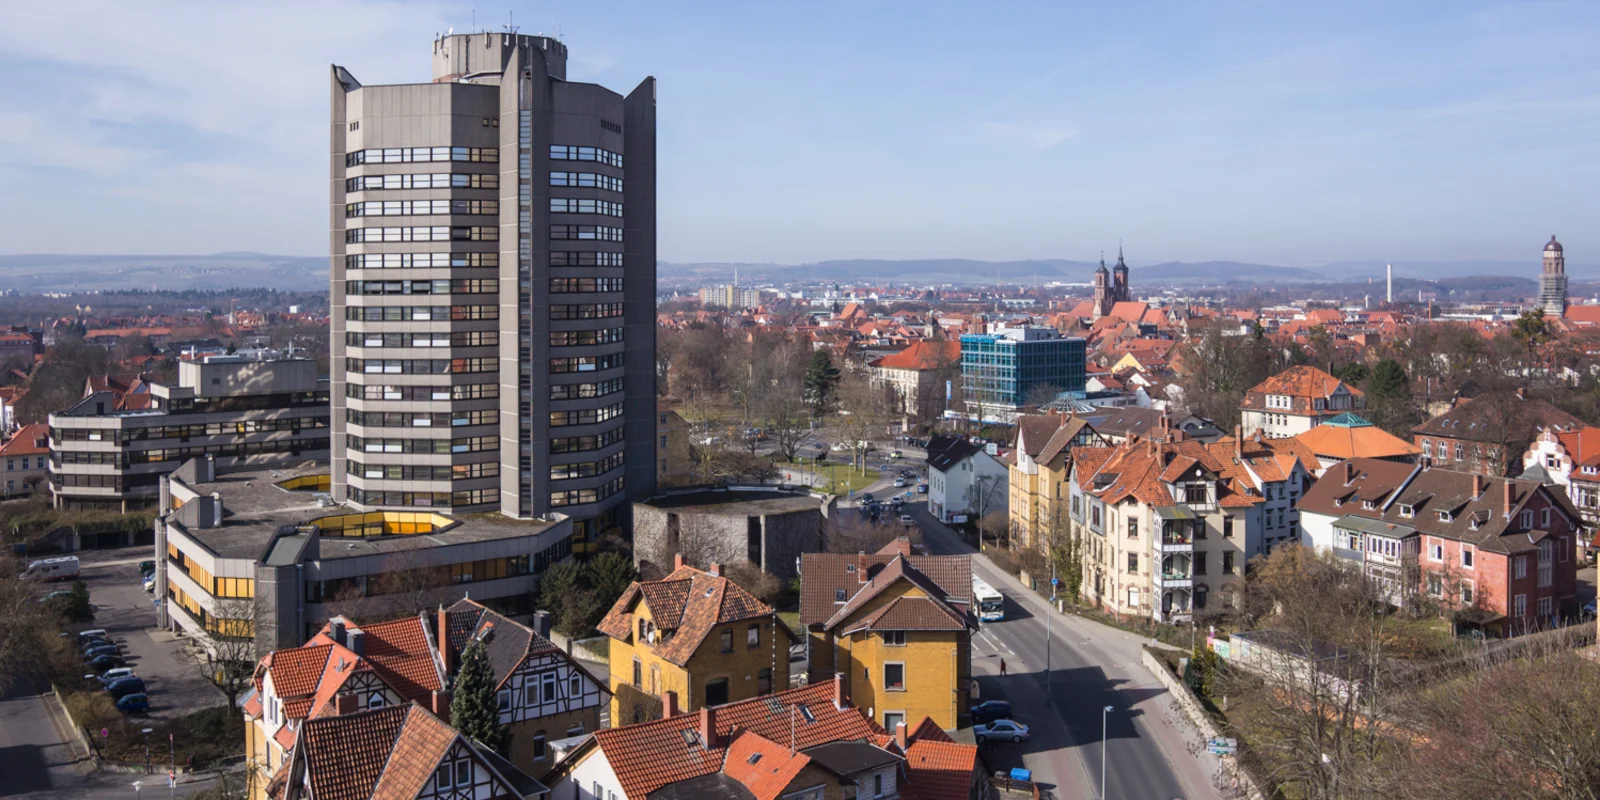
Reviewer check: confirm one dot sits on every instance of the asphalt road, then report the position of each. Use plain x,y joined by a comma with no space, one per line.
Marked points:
1148,745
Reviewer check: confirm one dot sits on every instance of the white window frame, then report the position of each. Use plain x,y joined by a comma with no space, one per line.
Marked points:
1436,551
1520,606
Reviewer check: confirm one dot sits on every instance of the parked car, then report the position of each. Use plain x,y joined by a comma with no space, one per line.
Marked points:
922,488
150,583
59,594
112,675
897,454
90,634
123,687
61,568
99,641
147,567
990,710
1001,729
866,497
136,703
899,483
101,650
906,520
105,662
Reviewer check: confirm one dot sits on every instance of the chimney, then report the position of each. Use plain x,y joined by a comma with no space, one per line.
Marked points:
669,704
677,561
345,703
1509,494
708,727
355,637
1349,473
838,691
900,736
441,704
1477,486
336,630
1238,441
541,623
861,566
446,655
716,569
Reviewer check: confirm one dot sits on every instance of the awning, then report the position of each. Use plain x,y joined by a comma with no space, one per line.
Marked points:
1376,527
1176,512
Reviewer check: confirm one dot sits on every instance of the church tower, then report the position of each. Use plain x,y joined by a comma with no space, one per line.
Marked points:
1102,292
1120,291
1553,281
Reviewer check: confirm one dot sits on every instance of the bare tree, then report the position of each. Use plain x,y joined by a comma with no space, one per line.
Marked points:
852,533
781,403
864,411
24,629
227,656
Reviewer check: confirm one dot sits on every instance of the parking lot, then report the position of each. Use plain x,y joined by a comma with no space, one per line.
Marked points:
175,683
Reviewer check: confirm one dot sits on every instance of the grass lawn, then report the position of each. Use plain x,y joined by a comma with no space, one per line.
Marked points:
844,478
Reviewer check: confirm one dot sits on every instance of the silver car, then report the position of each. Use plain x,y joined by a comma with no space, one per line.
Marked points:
1001,729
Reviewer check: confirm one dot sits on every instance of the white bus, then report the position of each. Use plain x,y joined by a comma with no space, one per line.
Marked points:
991,605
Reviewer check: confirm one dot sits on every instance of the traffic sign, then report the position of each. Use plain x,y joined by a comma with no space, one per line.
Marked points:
1055,581
1222,747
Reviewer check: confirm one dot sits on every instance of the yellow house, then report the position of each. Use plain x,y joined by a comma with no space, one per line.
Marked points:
690,640
1038,475
673,467
903,650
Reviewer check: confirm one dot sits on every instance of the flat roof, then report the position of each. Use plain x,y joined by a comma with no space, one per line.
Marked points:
256,507
742,502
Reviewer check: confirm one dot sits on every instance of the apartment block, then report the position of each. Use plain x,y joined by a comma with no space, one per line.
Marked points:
1000,372
493,288
241,412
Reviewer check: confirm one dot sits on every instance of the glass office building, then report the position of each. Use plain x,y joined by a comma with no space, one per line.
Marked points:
1000,370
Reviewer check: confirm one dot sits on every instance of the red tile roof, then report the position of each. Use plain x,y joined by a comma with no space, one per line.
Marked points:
941,770
1302,384
762,765
399,653
418,749
923,355
904,613
649,755
31,440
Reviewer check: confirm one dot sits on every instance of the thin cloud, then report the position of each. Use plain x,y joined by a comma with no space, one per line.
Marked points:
1031,137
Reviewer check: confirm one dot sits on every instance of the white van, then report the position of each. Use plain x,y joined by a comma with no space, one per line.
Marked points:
64,568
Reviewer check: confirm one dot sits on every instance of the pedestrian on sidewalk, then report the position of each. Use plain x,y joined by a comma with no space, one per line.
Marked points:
1002,666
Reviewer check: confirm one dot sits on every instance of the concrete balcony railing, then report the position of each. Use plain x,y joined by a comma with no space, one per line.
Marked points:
1174,580
1176,544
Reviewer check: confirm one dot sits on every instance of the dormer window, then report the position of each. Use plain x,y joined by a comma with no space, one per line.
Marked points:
1368,505
1445,516
1407,511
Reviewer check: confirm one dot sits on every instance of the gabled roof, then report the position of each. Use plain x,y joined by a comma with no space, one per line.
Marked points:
763,766
903,613
399,653
824,575
30,440
925,354
940,769
383,754
689,603
647,756
1302,383
945,452
1498,419
1348,487
1582,445
1034,432
507,642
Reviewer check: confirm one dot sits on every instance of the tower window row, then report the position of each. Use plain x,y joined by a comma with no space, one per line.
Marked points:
434,233
415,472
563,152
571,205
465,391
416,208
420,313
586,180
420,260
426,180
456,286
410,155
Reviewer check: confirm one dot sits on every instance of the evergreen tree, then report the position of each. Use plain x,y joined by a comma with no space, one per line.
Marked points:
609,575
474,710
822,379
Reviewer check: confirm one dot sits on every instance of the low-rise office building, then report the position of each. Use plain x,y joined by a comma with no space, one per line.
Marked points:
264,554
767,527
242,412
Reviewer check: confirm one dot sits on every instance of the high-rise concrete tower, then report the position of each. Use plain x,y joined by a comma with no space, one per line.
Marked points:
1553,281
493,300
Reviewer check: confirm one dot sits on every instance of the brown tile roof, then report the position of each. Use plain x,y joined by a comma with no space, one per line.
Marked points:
345,755
822,574
1143,469
418,749
1061,440
649,755
935,614
1498,420
1034,432
690,603
1345,489
900,545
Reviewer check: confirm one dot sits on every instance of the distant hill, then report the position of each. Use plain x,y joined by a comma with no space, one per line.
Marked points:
56,272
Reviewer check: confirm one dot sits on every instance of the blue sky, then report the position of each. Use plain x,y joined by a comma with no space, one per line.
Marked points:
1290,133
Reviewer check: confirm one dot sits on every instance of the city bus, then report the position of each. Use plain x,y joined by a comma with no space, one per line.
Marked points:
990,604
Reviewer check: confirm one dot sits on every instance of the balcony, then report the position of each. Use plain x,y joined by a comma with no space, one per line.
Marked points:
1177,543
1174,580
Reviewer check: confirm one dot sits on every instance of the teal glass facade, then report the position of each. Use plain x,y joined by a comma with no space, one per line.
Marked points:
999,371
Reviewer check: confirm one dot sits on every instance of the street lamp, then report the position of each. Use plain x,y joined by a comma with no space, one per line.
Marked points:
1105,714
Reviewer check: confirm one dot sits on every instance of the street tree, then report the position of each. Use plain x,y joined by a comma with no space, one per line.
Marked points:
822,379
227,657
24,630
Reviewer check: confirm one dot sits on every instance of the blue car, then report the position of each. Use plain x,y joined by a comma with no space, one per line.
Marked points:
133,704
102,650
125,686
103,663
